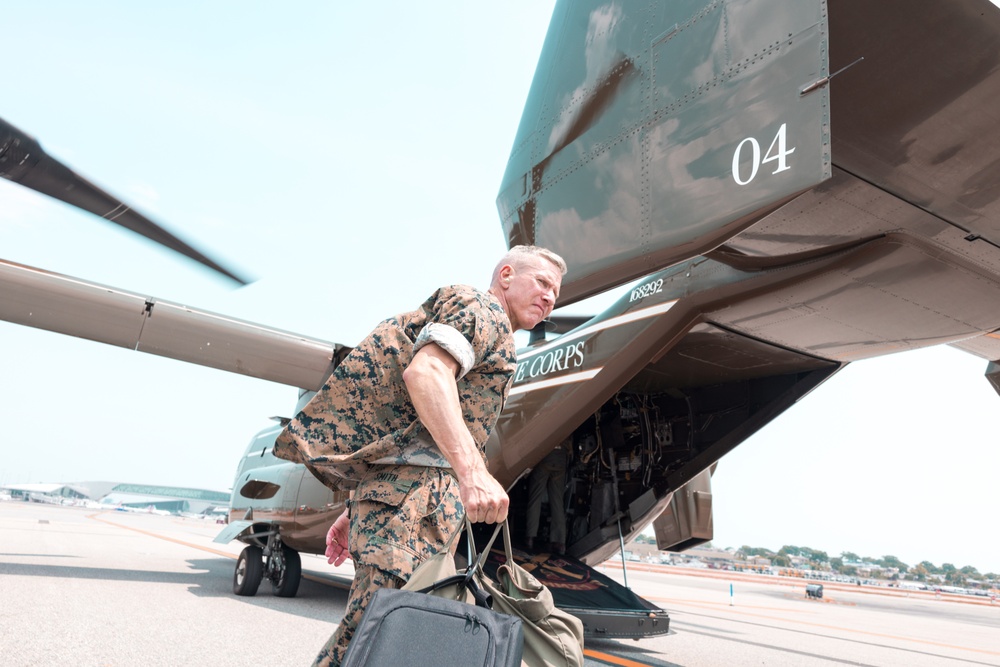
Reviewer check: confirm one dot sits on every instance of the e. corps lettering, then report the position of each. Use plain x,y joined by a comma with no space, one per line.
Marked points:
559,359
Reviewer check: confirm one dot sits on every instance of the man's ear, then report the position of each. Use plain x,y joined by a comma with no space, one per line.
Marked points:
505,275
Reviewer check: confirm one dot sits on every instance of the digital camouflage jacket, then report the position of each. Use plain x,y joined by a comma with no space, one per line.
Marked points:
363,414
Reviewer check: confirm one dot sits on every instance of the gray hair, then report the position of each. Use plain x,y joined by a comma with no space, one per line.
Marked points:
518,254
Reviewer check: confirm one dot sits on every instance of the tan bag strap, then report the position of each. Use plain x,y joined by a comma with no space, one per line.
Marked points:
489,545
454,536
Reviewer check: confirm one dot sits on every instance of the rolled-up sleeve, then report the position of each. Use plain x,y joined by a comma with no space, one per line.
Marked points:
451,341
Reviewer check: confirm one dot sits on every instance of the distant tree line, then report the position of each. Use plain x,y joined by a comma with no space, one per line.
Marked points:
849,563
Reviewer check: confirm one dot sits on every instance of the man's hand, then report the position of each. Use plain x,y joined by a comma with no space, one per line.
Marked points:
484,499
336,541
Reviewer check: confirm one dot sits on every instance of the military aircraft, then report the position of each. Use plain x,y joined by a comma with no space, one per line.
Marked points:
793,187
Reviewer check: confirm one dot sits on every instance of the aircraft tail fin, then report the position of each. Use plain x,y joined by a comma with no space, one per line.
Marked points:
655,131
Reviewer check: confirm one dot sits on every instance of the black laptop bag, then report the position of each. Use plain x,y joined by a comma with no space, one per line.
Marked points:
413,629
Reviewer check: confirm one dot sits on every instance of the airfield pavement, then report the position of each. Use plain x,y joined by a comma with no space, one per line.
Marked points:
92,588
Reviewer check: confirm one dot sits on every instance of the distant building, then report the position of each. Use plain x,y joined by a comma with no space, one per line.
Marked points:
703,556
70,491
114,494
800,562
168,498
718,558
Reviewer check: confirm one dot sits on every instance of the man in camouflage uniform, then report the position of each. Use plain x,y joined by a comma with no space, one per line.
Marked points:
403,421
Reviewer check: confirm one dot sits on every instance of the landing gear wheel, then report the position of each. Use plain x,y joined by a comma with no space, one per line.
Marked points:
249,571
286,582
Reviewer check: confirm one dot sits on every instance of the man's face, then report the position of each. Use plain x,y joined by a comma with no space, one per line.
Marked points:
531,290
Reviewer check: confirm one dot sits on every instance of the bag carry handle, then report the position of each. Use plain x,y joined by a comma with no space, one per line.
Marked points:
508,548
469,576
483,598
484,554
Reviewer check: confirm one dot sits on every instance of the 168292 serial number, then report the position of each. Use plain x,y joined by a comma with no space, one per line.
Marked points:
642,291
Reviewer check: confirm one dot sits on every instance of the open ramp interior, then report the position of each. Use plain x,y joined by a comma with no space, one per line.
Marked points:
606,608
693,403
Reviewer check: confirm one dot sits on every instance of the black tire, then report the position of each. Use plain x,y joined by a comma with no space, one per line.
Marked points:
287,583
249,571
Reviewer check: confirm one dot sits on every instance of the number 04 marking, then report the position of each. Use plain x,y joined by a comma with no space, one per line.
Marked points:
777,151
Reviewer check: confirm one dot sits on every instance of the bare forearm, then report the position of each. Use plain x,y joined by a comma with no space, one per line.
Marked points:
434,395
430,381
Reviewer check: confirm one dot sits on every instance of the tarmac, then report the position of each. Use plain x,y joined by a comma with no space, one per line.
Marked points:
95,588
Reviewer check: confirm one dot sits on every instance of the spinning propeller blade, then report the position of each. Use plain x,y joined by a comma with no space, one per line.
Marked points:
23,161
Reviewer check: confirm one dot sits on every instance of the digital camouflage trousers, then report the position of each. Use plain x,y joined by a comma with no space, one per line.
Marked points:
400,516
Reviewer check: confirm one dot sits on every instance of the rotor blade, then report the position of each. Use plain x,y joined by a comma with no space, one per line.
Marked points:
23,161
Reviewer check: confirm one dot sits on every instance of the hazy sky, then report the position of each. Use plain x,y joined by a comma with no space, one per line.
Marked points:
348,156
